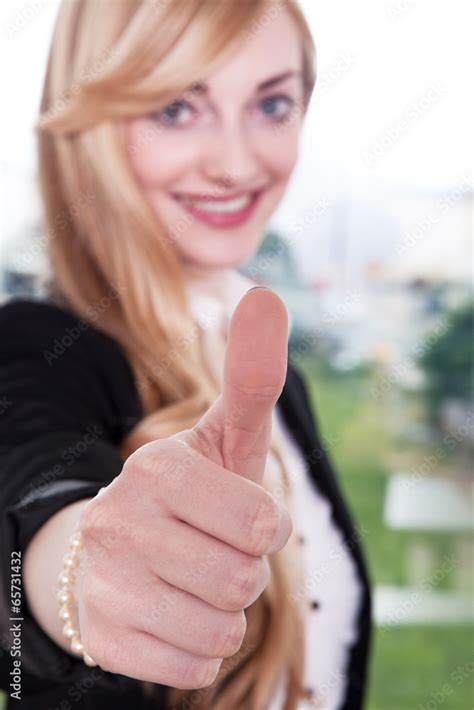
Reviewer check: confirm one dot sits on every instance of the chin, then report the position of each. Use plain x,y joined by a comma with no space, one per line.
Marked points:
221,253
217,261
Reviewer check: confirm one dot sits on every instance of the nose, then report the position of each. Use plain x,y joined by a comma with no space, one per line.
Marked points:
229,156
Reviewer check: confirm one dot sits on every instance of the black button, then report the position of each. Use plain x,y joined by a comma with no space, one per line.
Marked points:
315,604
309,692
301,539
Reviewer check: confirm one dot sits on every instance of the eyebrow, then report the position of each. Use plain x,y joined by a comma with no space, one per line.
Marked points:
276,79
202,88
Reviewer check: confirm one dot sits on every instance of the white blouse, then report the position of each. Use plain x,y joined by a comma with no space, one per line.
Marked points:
330,590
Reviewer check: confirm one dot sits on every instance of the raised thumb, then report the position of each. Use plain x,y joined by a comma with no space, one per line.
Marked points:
255,367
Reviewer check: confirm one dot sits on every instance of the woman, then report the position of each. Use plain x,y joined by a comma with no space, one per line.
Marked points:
216,564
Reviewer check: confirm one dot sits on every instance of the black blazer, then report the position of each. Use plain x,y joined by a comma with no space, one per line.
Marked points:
69,398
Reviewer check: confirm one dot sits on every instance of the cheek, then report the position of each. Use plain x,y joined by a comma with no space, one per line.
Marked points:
279,152
157,158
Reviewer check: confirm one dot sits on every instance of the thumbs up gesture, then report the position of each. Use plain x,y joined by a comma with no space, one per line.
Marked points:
175,546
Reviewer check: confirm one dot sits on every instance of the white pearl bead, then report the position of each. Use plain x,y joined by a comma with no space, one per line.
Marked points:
69,631
88,660
65,613
75,541
70,561
77,646
64,578
64,596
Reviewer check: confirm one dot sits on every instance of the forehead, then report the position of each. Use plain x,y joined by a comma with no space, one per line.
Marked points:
272,47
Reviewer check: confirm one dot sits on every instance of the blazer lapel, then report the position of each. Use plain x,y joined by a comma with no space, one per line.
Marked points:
300,420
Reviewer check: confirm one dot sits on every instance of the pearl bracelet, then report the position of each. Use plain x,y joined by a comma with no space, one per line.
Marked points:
67,603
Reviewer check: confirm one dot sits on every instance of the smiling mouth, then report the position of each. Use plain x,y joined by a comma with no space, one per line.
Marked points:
220,205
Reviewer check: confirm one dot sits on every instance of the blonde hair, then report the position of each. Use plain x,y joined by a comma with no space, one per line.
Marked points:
109,61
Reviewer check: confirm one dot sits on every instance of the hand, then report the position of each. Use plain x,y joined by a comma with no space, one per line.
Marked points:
175,546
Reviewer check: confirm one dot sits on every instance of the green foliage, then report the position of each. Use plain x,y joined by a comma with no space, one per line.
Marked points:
448,360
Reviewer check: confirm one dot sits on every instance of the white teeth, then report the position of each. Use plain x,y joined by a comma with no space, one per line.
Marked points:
227,206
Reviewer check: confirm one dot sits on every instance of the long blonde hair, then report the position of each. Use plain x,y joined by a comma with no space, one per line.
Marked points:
113,264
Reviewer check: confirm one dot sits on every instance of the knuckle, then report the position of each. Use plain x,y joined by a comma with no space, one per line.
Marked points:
140,463
226,642
244,583
103,524
95,518
146,459
197,673
160,466
262,527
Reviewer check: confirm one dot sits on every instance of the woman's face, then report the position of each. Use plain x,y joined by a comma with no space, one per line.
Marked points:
215,162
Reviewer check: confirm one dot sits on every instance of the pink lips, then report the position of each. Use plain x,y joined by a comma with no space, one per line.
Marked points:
222,220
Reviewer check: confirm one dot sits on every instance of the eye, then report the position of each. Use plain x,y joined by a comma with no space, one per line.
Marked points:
278,107
174,114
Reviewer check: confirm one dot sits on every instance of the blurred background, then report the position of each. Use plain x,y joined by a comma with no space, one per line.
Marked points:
371,250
